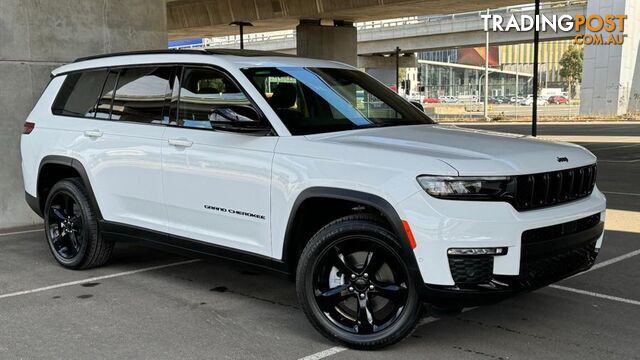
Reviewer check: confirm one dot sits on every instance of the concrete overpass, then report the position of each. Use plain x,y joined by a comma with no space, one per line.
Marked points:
206,18
421,32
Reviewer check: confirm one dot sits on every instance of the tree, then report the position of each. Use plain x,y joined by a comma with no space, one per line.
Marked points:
571,66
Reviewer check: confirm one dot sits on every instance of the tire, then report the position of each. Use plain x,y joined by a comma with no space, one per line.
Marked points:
345,303
71,227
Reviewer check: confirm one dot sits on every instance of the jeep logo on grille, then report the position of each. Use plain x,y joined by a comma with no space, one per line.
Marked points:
563,159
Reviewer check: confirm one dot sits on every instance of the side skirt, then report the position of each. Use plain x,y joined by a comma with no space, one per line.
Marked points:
189,247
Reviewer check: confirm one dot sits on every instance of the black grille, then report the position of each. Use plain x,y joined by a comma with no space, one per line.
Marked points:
540,270
554,231
471,269
551,188
554,252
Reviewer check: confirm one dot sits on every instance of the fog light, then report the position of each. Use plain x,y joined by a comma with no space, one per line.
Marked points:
478,251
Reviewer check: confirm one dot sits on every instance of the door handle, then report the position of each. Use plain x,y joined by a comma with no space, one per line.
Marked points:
180,142
93,133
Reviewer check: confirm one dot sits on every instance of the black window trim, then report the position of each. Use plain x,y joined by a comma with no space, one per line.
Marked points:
177,69
119,69
224,72
108,69
115,86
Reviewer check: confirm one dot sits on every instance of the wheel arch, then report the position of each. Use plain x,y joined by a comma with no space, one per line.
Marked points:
54,168
386,210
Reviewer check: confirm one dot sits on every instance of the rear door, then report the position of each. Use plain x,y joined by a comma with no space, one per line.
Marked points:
118,138
216,178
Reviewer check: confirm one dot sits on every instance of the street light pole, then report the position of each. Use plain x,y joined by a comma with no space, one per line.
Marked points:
486,74
397,69
515,103
536,42
241,24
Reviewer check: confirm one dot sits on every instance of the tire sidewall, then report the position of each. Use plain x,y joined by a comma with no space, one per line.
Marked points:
69,188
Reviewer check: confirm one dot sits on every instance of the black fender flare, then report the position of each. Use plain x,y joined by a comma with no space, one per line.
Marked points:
78,167
374,201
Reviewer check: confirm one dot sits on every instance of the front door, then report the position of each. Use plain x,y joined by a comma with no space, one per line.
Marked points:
216,180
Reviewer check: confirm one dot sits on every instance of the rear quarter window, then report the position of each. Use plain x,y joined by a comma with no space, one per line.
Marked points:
78,95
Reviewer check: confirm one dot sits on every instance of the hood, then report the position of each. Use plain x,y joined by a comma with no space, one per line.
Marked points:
469,151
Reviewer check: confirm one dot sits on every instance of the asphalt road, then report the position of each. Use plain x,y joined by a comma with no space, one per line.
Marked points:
198,309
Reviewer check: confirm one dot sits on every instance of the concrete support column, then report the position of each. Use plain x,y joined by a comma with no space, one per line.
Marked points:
337,42
383,68
38,36
609,76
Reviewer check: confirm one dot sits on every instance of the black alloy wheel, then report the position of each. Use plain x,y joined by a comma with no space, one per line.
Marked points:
355,287
359,286
65,228
71,227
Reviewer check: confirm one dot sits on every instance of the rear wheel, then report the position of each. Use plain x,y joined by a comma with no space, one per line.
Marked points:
355,287
72,227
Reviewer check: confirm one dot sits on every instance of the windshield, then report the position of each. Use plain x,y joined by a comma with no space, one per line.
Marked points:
317,100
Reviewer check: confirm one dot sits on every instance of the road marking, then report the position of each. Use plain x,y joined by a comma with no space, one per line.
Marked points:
595,294
620,193
21,232
593,139
93,279
542,124
611,261
338,349
614,147
618,161
325,353
622,220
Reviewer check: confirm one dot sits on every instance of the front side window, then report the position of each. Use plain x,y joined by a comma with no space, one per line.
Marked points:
317,100
79,93
141,93
211,100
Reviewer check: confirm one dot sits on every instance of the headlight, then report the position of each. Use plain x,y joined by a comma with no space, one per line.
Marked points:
466,188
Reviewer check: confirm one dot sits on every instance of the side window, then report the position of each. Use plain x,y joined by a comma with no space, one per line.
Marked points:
210,100
79,93
300,107
140,94
103,108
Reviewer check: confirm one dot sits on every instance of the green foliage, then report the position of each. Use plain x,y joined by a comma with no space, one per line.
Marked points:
571,63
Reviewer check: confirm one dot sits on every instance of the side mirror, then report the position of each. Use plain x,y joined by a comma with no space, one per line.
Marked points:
417,104
238,118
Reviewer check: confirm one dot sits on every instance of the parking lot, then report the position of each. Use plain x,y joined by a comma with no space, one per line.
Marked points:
148,304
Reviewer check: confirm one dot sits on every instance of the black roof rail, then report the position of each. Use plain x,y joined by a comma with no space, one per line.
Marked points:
141,52
234,52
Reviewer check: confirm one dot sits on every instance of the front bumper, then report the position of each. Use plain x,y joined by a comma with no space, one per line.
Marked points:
540,249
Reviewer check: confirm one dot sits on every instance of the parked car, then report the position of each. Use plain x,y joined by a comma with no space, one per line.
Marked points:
558,99
496,100
431,100
467,99
516,100
529,101
263,159
448,99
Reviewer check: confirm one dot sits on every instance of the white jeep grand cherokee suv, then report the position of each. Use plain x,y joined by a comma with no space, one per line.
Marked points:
309,168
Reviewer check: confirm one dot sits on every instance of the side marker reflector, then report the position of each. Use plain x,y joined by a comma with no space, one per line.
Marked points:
407,230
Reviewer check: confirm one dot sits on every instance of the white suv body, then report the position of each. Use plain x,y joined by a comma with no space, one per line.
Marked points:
239,192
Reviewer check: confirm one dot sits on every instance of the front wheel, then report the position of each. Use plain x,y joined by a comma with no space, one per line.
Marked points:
355,287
